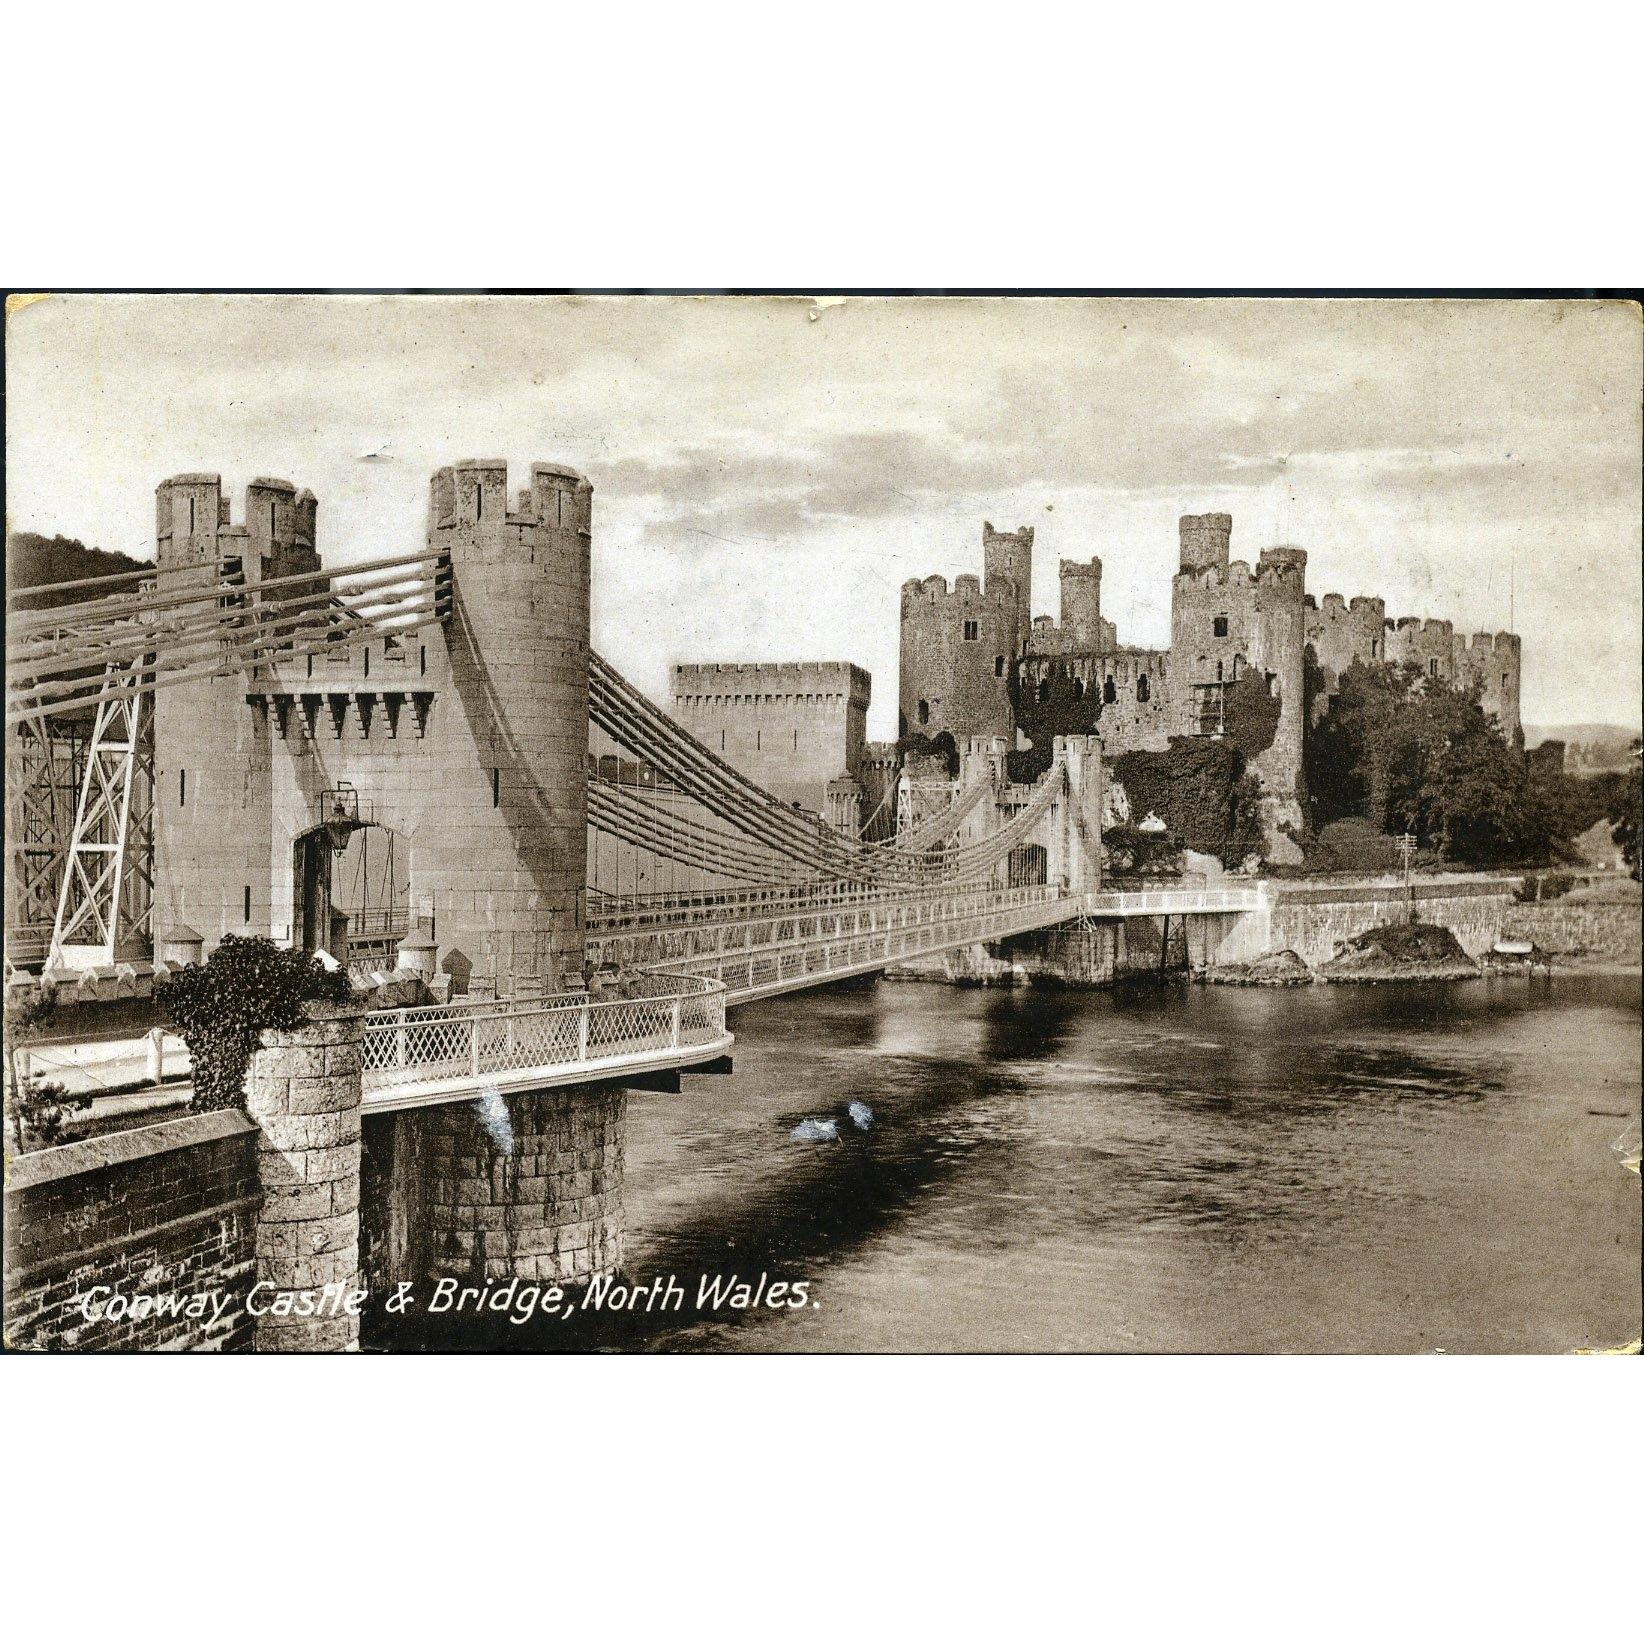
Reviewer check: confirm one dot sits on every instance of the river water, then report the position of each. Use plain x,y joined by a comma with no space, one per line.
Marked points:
1176,1168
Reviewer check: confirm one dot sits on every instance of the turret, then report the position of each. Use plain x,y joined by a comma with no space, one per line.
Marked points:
1081,588
1205,539
1008,556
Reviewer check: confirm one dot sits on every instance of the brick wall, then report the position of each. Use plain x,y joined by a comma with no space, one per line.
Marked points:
169,1210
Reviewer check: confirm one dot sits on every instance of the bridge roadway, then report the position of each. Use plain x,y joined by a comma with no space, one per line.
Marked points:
695,970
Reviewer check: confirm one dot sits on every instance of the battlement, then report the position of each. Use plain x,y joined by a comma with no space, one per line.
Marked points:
967,590
1493,643
1072,570
1281,564
1422,625
474,492
774,679
1022,537
274,511
1234,574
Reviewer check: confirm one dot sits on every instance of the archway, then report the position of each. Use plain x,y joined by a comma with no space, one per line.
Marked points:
351,884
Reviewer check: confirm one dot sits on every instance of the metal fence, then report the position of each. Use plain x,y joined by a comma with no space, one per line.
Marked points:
470,1044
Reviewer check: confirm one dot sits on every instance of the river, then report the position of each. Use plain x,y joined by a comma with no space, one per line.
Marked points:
1177,1169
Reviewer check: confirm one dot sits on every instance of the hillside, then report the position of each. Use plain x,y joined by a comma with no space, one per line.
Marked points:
33,561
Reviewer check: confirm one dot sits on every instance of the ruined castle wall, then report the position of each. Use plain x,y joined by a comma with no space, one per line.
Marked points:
1124,695
792,727
948,681
1341,633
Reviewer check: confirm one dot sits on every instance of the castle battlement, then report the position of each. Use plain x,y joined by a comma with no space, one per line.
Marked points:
274,511
776,679
475,492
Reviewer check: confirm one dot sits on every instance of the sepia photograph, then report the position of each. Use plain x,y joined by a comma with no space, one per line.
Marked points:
822,824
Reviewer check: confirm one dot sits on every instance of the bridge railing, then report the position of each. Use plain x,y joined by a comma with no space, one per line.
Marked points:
751,967
475,1044
612,916
1203,898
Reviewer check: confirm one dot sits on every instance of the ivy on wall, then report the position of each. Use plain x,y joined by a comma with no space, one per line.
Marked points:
1250,715
915,744
1199,788
221,1007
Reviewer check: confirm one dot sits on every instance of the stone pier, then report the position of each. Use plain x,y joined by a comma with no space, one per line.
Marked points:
303,1093
526,1186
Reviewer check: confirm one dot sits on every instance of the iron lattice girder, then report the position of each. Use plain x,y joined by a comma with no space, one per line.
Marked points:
107,883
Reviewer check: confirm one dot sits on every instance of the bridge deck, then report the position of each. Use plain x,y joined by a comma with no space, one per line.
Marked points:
443,1053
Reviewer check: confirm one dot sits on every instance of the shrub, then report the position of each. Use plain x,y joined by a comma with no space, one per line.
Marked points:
221,1007
1202,793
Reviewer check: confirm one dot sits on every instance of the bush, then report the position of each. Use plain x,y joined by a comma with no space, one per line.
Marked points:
221,1007
1202,793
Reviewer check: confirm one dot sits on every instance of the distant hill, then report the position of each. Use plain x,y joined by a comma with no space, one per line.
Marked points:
1587,747
35,561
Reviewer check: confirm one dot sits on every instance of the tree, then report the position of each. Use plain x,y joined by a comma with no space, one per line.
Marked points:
1413,754
1624,816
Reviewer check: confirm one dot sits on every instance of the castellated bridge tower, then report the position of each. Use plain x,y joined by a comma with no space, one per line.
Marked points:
212,818
503,854
465,743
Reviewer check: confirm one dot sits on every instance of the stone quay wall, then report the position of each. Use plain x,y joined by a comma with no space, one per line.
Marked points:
93,1227
1591,930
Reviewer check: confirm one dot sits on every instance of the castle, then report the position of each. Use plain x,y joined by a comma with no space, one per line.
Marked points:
975,663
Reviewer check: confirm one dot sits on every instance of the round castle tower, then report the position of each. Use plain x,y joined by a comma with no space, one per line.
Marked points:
505,860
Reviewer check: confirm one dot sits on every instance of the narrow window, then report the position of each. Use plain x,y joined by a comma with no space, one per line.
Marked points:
182,787
1220,627
271,507
496,786
1218,670
998,667
759,742
1143,689
422,661
1432,667
722,742
191,516
246,916
368,662
971,629
1504,682
1078,690
310,664
796,733
1110,691
479,502
924,712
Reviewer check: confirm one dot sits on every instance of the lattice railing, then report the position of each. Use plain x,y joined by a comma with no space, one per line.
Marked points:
468,1044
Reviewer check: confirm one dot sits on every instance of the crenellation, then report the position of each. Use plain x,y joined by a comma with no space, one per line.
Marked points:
1229,618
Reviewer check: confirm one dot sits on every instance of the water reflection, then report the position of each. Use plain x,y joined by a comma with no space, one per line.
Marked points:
1172,1168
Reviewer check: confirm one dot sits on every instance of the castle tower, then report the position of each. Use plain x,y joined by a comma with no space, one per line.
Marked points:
1278,642
1205,539
1081,589
504,860
1007,556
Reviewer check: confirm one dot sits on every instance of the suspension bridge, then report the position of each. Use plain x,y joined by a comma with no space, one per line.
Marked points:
192,748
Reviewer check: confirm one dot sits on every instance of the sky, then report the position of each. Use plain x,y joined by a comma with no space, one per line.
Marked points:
768,472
